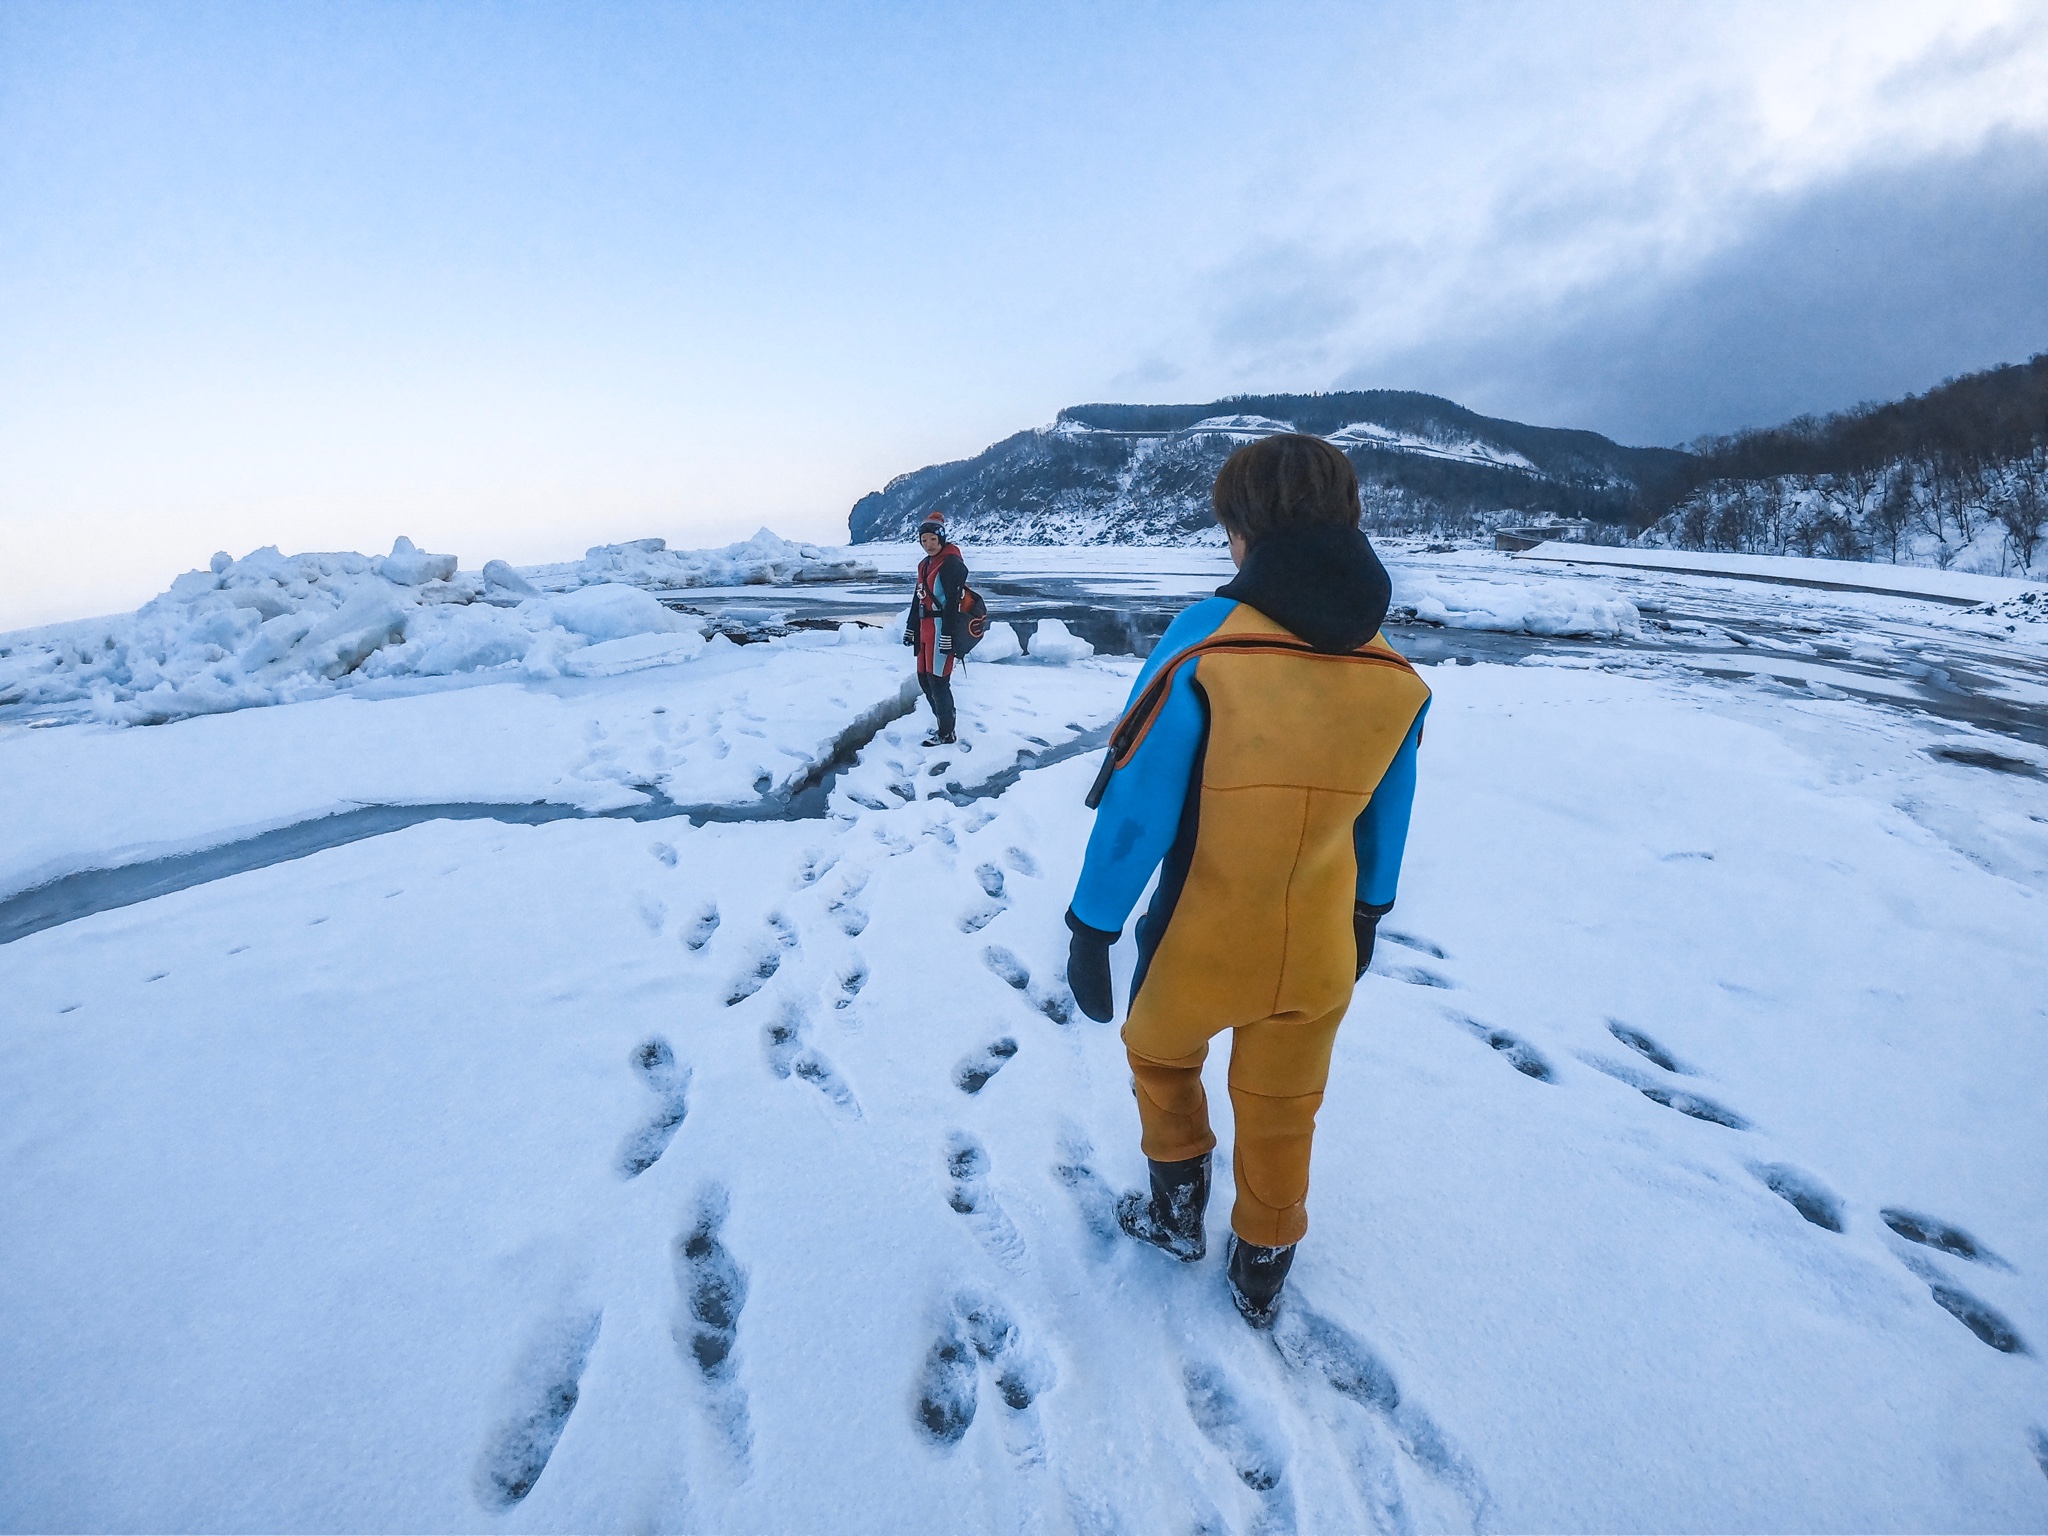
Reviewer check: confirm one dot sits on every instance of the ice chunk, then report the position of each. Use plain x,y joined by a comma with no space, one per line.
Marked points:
500,577
1057,644
344,641
608,611
1576,609
442,640
411,566
999,644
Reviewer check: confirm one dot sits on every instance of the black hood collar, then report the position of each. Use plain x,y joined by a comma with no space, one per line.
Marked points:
1321,581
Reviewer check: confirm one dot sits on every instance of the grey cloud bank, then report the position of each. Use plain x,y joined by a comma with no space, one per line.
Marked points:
1871,286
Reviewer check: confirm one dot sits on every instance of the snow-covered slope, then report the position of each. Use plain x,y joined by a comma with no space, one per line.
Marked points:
1680,1167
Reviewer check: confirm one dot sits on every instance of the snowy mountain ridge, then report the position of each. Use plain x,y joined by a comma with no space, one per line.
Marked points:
1136,474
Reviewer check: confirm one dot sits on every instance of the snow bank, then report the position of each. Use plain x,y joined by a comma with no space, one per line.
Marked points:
1055,643
273,628
1550,609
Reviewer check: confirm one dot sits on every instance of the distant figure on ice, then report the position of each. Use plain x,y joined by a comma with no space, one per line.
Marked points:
933,624
1267,757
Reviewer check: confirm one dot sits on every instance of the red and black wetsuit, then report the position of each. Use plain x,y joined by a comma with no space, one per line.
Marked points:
935,615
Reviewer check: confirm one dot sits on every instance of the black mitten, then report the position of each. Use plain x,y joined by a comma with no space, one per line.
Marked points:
1088,969
1365,927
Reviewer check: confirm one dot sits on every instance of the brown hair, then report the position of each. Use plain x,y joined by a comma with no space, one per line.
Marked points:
1284,481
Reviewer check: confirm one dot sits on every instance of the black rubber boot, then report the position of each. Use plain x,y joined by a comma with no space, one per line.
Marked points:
1171,1216
1256,1277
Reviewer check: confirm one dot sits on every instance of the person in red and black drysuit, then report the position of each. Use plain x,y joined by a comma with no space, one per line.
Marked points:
933,622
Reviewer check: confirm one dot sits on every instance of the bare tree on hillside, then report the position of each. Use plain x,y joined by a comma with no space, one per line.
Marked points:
2021,504
1893,514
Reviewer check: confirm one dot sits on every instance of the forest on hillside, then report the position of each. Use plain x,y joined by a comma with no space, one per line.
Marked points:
1956,477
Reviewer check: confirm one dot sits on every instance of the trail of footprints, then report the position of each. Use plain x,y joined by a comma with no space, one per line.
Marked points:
711,1284
1804,1193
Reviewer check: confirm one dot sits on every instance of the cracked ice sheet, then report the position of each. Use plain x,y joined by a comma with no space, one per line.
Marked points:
705,732
314,1218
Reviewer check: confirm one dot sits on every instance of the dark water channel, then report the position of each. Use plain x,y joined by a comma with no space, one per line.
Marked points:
70,897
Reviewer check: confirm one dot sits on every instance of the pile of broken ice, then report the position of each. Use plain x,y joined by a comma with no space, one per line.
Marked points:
272,628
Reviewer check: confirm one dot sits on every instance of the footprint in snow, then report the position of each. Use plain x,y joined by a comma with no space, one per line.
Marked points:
946,1388
664,853
1990,1325
979,1329
1054,1002
1646,1048
697,932
978,918
991,879
845,908
653,912
1420,945
1519,1053
1697,1106
1260,1464
1020,861
712,1289
1803,1192
1932,1232
974,1072
976,820
817,863
545,1387
1006,965
669,1082
1093,1197
1316,1346
852,977
790,1054
1413,975
783,930
766,962
967,1167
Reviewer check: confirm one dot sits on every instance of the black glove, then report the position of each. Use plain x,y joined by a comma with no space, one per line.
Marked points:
1088,969
910,636
1365,927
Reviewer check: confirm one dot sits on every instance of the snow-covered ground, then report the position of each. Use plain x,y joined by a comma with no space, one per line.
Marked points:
1682,1166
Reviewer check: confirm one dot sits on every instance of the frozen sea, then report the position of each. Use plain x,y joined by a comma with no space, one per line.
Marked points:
661,1105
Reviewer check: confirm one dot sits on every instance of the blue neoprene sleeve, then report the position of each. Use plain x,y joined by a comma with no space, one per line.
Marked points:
1140,810
1381,832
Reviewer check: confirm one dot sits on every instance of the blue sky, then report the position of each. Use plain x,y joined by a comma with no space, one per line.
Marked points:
514,279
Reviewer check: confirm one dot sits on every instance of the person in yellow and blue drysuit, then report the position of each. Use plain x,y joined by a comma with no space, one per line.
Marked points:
1265,766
